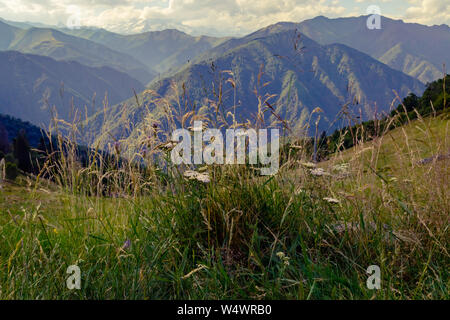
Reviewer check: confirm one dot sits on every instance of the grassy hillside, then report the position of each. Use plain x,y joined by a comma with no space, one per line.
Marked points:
140,227
406,145
303,234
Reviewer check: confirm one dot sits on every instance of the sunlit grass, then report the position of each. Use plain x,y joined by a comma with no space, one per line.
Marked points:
241,236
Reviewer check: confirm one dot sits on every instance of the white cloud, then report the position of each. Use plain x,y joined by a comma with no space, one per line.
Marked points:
428,11
216,17
226,16
198,16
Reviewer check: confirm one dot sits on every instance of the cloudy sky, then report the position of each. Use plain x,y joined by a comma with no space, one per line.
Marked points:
212,17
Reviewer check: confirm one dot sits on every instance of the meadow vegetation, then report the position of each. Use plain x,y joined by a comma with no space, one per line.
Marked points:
139,229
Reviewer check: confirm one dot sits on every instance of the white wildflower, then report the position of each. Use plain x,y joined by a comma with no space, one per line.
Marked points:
342,168
319,172
308,165
193,175
283,258
190,174
280,255
331,200
203,177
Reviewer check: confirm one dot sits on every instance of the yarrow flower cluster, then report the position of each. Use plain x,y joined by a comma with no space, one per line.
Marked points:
283,258
331,200
309,165
318,172
342,168
193,175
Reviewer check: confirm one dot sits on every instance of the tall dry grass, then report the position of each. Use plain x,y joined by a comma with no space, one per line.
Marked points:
139,229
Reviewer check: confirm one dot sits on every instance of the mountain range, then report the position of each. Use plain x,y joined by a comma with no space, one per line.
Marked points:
158,50
333,64
417,50
32,85
61,46
300,74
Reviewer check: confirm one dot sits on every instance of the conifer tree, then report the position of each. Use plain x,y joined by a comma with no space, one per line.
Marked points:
22,152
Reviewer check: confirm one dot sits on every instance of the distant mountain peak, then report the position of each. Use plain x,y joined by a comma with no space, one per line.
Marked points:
34,84
415,49
63,46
